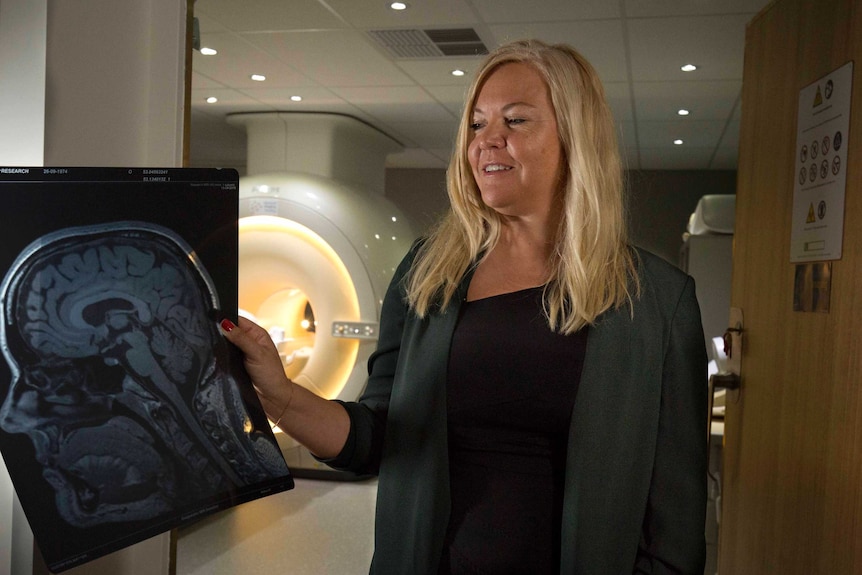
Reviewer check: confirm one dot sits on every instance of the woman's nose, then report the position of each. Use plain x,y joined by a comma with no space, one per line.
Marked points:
491,137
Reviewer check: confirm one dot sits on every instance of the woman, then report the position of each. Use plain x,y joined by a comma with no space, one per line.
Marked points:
537,399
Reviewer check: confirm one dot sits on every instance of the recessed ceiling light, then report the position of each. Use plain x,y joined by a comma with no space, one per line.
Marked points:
258,77
688,68
296,98
457,72
212,100
398,6
208,51
678,142
683,112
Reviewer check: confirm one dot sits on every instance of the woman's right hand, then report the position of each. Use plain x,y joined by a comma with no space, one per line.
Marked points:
317,423
263,365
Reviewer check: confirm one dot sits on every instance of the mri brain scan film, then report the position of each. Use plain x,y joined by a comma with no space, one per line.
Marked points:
124,411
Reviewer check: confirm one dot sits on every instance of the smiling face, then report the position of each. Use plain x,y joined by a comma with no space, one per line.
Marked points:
515,151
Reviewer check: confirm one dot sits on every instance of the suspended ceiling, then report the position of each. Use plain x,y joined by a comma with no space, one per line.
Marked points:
343,56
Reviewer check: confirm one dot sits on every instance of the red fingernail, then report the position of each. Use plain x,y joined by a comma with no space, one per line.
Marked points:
227,325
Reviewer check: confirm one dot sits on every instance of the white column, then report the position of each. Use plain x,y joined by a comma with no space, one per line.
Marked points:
106,90
23,34
116,75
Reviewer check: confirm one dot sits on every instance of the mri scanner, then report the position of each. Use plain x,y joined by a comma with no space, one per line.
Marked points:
317,249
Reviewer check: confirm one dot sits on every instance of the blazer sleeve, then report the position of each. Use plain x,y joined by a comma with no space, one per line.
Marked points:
364,446
672,538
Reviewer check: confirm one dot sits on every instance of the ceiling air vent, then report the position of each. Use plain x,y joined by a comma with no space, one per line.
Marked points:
430,43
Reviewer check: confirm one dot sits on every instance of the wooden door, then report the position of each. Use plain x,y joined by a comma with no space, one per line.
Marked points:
792,476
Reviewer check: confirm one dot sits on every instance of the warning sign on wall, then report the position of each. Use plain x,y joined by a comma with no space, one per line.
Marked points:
823,122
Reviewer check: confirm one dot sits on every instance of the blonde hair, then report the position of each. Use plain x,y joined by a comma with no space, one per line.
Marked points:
592,265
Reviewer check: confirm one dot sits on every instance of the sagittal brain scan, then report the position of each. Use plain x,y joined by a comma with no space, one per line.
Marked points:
117,376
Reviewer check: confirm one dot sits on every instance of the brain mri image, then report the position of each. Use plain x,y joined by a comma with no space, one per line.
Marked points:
119,377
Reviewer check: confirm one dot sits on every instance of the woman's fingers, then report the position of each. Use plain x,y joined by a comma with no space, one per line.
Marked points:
260,357
251,338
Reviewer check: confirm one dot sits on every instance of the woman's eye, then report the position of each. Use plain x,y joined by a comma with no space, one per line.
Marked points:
475,126
512,121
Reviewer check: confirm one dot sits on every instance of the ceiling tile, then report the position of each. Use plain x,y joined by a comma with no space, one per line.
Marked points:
497,11
436,14
227,98
705,100
199,81
438,71
626,134
207,24
364,95
313,98
269,15
620,100
659,46
694,134
397,104
600,41
236,61
725,159
452,97
439,135
654,8
675,158
394,113
343,58
730,136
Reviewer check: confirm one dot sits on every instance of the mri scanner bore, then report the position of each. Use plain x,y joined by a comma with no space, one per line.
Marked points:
315,259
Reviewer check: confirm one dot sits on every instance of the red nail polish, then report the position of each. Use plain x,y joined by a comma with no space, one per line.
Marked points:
227,325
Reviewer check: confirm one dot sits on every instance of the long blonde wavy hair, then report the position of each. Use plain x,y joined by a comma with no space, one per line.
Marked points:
592,267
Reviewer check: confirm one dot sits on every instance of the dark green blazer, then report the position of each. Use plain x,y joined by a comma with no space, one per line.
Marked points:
635,486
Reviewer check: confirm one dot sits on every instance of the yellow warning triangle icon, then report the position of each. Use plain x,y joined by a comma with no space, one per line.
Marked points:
810,219
818,99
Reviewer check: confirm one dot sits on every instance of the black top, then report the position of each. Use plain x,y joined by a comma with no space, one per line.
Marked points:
510,394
